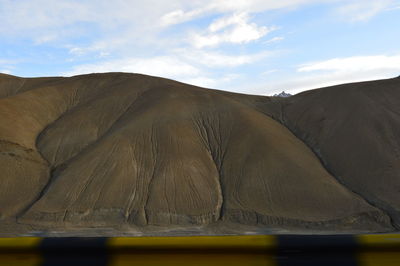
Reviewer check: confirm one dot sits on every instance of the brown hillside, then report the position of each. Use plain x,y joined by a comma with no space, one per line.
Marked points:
106,150
355,130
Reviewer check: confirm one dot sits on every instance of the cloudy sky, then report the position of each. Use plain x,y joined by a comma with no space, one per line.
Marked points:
249,46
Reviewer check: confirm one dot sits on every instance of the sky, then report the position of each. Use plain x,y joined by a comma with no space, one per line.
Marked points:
248,46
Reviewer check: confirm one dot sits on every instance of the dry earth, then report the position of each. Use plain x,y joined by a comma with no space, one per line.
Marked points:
129,154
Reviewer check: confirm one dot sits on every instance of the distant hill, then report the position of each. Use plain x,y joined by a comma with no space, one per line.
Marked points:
282,94
145,155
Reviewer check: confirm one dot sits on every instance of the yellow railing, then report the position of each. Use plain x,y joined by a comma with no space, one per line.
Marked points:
380,249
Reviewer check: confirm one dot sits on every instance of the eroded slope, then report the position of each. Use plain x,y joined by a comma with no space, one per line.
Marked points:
355,130
121,148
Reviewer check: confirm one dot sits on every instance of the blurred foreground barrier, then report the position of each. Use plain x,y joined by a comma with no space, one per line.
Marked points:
295,250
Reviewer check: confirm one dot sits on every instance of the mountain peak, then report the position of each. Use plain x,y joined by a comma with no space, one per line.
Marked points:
282,94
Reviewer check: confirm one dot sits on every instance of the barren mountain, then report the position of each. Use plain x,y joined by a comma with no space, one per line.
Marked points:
355,130
140,154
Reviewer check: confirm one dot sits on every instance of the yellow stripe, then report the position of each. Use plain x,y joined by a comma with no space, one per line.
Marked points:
20,259
19,242
378,258
379,240
195,242
28,255
379,250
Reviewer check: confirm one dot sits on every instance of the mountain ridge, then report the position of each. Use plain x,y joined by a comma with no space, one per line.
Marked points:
145,151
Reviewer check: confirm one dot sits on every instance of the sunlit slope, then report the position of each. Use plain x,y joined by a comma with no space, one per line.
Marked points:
108,149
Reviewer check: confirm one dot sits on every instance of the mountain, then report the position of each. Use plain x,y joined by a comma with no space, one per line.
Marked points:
282,94
137,154
355,131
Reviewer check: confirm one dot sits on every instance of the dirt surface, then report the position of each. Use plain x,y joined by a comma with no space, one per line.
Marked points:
129,154
355,130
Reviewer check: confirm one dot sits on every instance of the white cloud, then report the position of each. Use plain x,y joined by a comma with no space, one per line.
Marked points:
201,81
47,20
268,72
179,16
5,71
231,29
195,9
275,39
235,19
45,38
163,66
355,10
6,65
184,66
338,71
131,29
211,82
214,59
188,66
199,8
361,10
101,47
355,63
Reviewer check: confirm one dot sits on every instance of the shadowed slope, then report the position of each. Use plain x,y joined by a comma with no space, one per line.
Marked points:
122,148
355,130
